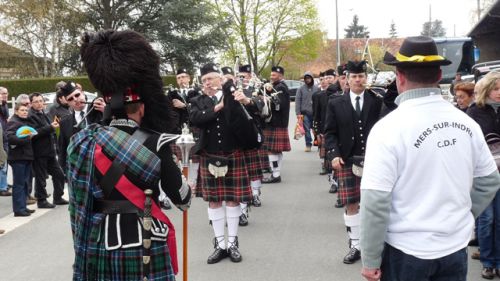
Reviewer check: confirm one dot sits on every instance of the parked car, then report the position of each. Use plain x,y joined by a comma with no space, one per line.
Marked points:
293,85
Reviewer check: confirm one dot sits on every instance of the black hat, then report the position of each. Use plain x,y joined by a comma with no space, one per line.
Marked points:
181,71
278,69
245,68
356,66
416,51
330,72
208,68
321,74
227,70
341,69
69,88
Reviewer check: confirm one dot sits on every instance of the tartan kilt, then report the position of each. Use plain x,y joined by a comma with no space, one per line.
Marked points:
254,164
322,148
234,186
125,263
276,140
349,185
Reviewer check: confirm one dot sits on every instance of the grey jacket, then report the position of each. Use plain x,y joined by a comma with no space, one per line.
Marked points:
303,99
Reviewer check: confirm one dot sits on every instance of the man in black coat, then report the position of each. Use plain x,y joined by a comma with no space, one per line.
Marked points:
81,116
349,119
223,174
276,139
44,150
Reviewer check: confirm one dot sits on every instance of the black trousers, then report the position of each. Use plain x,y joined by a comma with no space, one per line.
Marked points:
42,167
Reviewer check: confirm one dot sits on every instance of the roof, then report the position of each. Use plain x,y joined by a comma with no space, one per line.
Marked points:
8,51
489,23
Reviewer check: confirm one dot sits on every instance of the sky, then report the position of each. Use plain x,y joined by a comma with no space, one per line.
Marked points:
458,16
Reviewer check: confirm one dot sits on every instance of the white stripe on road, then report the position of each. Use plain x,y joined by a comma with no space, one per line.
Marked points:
9,222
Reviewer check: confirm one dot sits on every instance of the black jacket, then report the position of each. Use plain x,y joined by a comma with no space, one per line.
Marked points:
181,115
486,117
19,148
215,134
340,124
44,143
320,104
280,117
67,128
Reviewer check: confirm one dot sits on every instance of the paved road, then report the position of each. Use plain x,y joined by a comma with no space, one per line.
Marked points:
296,235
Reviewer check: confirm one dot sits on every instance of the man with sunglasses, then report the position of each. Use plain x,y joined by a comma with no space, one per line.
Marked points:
82,115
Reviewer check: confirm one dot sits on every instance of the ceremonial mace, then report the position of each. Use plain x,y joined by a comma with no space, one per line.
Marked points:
185,142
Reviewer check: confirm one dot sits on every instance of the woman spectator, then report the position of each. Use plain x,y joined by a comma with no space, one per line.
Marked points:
485,111
19,157
464,93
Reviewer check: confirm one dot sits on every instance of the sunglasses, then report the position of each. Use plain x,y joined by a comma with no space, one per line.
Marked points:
77,95
25,104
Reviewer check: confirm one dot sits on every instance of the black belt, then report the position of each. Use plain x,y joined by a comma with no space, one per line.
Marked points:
115,207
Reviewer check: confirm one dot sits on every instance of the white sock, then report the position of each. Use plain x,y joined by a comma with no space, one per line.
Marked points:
353,222
243,207
233,218
274,160
217,217
256,184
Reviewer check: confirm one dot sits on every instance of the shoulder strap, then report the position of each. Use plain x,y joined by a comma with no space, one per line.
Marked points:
109,180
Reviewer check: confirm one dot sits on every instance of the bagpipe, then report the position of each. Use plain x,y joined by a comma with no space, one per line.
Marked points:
244,126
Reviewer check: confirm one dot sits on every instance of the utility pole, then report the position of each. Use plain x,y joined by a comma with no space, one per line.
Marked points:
430,19
337,25
478,10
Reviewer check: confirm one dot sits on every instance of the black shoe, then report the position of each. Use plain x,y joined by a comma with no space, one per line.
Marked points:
5,193
488,273
45,205
165,204
333,188
339,204
256,201
30,211
323,171
22,214
353,255
60,201
233,252
272,179
243,220
217,255
474,242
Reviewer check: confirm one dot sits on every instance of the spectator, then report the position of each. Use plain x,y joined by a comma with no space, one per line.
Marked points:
20,157
485,112
456,81
60,107
303,106
417,213
4,116
44,150
24,99
464,93
77,102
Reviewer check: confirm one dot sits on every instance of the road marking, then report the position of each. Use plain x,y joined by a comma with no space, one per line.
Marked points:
9,222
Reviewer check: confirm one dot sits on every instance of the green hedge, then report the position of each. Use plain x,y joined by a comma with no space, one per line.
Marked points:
47,85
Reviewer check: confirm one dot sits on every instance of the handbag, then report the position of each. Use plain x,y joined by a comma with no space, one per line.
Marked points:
299,128
493,141
358,162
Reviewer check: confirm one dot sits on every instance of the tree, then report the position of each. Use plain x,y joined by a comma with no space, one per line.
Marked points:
43,29
433,29
258,27
355,30
392,31
186,32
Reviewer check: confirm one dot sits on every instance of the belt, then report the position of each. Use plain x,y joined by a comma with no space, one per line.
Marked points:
115,207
